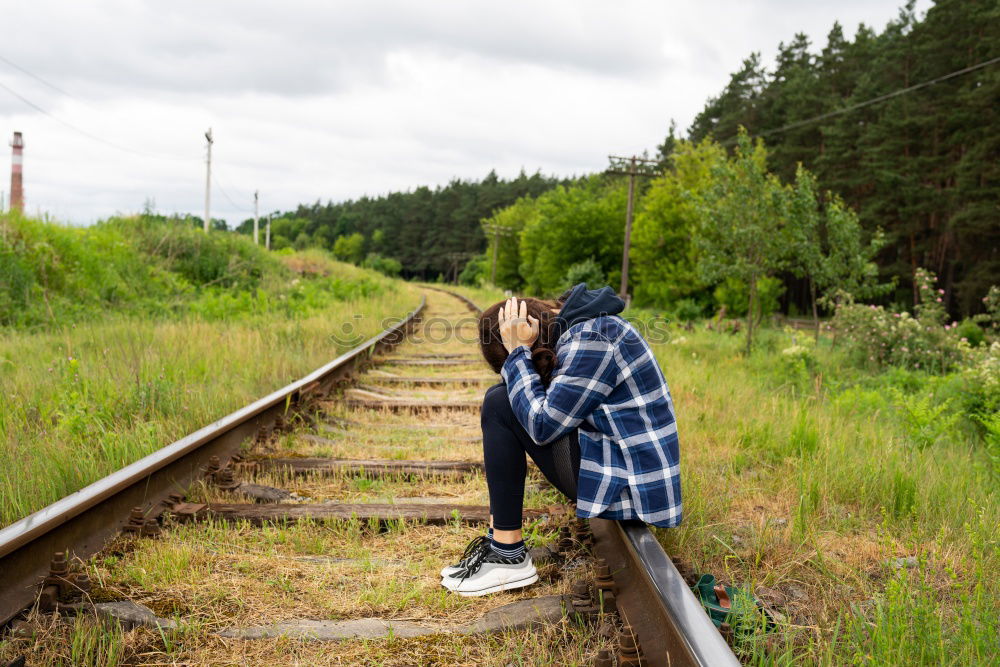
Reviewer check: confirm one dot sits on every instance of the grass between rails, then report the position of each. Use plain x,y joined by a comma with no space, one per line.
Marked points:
484,297
223,574
87,399
807,489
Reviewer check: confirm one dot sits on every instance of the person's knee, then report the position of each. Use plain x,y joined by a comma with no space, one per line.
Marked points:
495,398
496,404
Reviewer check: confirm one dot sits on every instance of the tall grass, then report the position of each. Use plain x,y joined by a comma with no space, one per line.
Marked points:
807,485
123,337
52,275
80,402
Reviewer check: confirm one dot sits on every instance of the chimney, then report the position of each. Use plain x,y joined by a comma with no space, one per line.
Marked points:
16,167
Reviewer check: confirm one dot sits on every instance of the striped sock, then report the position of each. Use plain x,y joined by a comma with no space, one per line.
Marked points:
515,550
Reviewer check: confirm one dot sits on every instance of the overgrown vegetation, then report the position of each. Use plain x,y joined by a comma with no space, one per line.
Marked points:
123,337
52,275
860,504
714,231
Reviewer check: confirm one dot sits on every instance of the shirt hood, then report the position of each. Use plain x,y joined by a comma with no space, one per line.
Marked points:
584,304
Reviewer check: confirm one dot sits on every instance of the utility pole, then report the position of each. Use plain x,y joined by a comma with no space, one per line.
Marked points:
208,181
256,215
455,258
632,167
267,236
497,231
17,174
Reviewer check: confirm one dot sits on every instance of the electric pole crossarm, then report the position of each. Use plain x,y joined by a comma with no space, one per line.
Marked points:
497,231
632,167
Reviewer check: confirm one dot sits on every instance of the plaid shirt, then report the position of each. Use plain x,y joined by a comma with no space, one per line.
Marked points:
608,384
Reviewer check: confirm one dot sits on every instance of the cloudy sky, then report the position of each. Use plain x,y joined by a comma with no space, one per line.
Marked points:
333,100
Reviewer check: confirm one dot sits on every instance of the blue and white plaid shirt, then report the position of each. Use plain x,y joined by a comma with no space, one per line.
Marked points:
608,384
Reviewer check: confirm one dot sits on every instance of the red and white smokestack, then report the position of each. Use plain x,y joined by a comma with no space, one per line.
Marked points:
16,174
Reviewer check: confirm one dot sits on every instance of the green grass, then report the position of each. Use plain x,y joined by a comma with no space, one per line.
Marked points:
88,399
128,336
804,478
52,275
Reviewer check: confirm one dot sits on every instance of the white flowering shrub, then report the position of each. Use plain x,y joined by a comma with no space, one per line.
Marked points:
922,341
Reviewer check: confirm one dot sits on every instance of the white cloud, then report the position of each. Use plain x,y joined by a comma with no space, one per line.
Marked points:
318,100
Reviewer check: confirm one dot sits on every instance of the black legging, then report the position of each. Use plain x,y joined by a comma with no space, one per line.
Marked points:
505,443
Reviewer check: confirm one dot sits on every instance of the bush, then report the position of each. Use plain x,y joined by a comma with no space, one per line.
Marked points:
971,332
216,259
54,272
384,265
687,310
588,271
475,272
149,266
882,338
981,391
350,248
734,296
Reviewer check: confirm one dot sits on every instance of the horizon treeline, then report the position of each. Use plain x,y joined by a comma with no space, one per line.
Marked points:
431,232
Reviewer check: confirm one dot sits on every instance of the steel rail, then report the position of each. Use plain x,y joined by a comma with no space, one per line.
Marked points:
83,521
670,624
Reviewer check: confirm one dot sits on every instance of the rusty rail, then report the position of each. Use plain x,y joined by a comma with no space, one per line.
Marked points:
83,521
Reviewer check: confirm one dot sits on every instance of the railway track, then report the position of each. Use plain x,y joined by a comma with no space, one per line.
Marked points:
322,513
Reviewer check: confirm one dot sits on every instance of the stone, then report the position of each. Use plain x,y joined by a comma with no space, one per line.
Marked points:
771,597
263,494
132,615
909,562
518,615
541,555
325,631
23,628
797,593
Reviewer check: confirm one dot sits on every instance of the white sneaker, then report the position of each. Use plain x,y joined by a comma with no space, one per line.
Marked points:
471,552
490,572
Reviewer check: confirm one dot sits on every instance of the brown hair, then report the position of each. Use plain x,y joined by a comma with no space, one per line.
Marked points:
542,350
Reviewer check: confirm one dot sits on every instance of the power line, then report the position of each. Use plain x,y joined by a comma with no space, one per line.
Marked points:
226,194
218,184
87,134
874,100
40,79
95,137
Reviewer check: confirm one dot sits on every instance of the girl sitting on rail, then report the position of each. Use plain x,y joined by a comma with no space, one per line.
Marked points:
583,396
